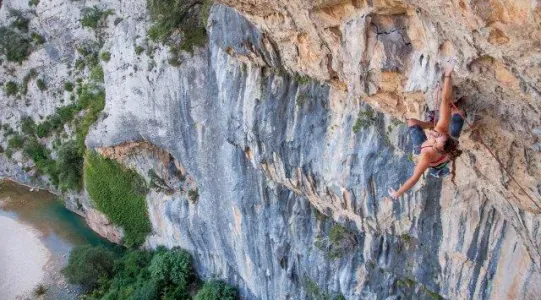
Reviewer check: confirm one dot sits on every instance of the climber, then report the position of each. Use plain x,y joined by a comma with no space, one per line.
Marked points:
441,146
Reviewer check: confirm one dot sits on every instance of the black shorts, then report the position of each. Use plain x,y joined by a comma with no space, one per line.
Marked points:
418,136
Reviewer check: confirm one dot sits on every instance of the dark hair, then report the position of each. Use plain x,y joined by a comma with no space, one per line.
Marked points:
451,149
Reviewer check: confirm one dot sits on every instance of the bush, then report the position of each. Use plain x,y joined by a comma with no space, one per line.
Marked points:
7,130
33,2
44,129
14,44
171,15
139,50
92,98
216,290
89,265
193,38
105,56
41,84
96,74
39,290
8,153
37,38
91,17
19,22
16,142
36,151
41,157
365,119
28,126
70,166
11,88
68,86
80,64
120,194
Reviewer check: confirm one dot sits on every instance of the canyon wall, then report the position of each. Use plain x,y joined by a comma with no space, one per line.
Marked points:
292,200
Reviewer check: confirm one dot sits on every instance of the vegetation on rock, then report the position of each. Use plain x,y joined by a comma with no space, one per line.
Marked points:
93,16
119,193
16,41
365,119
171,17
11,88
68,86
105,56
41,84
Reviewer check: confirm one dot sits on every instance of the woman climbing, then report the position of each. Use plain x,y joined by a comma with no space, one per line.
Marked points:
441,147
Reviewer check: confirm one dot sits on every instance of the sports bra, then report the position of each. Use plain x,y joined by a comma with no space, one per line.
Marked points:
438,162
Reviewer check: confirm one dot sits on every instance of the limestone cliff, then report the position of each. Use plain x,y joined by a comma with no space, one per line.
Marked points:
291,201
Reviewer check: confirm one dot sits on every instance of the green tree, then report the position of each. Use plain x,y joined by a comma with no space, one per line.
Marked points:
148,291
172,269
216,290
89,265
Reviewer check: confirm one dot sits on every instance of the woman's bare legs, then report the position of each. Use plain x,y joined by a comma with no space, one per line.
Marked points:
447,94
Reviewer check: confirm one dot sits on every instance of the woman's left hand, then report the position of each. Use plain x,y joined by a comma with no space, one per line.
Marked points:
394,194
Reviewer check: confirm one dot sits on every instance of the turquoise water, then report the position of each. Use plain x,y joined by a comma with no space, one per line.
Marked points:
61,228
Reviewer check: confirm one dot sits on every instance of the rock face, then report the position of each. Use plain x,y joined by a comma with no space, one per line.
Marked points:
291,200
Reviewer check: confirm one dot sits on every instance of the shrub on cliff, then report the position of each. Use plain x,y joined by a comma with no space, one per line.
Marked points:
93,16
70,166
119,193
14,44
188,17
28,126
11,88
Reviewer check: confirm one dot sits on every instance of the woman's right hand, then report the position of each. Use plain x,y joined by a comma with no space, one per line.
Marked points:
394,194
449,67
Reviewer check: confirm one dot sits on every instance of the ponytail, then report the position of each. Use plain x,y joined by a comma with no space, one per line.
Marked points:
451,149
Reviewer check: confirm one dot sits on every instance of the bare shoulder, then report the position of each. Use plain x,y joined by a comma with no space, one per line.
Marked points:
427,156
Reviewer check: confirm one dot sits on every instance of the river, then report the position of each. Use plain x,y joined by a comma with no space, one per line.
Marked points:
36,235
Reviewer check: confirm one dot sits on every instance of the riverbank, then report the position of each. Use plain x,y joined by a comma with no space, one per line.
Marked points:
31,188
50,232
23,257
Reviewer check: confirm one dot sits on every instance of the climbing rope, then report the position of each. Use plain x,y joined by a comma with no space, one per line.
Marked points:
496,158
436,97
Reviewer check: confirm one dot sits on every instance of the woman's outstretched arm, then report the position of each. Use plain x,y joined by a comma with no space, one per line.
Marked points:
417,173
447,94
